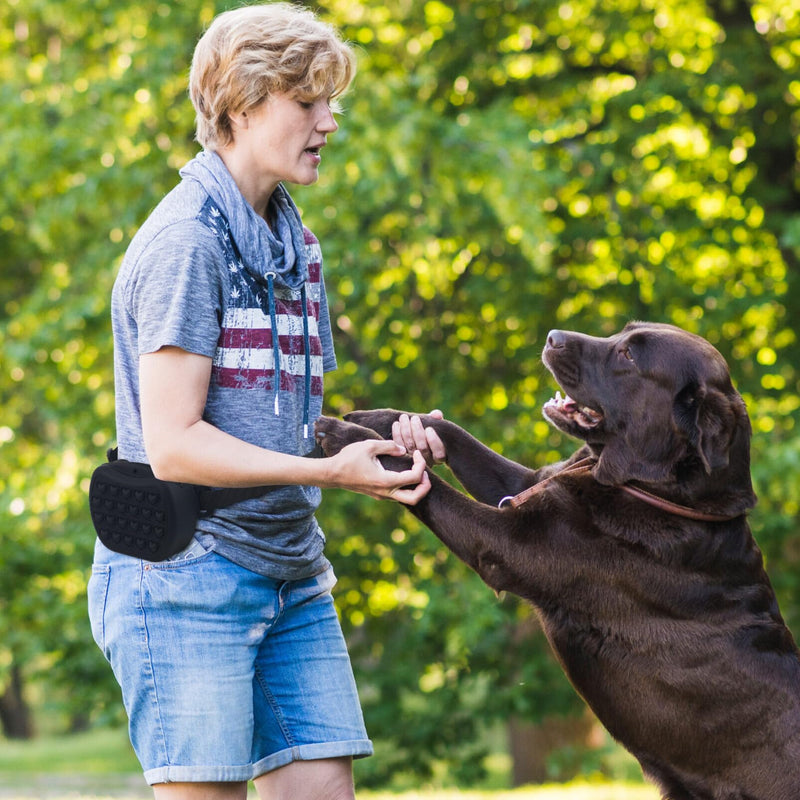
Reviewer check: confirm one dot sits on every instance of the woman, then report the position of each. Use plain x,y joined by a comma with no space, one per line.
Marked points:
230,656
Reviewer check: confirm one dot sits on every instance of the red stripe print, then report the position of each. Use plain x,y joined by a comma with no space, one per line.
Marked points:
259,379
261,339
294,308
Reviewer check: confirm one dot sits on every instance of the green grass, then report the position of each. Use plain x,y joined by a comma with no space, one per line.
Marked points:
98,752
573,791
75,790
100,765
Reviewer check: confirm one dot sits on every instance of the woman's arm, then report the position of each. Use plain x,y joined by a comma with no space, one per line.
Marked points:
182,447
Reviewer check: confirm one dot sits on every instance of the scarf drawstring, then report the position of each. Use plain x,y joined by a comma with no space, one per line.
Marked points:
307,351
276,350
276,345
220,224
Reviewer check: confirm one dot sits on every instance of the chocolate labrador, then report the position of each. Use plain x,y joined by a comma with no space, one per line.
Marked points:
637,554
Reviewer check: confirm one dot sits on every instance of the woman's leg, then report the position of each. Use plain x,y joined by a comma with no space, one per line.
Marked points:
323,779
179,635
200,791
308,720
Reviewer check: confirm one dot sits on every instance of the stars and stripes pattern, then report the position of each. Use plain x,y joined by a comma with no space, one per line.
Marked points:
245,355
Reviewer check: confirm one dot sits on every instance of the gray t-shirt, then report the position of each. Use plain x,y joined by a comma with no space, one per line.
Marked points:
183,283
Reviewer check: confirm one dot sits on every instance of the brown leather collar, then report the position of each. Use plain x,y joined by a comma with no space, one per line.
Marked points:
586,465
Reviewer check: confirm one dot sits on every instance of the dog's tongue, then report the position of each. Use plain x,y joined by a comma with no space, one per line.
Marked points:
587,417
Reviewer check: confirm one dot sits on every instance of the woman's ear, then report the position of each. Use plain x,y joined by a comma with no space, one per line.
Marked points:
239,120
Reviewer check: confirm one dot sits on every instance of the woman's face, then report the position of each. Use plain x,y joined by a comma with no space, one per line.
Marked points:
281,140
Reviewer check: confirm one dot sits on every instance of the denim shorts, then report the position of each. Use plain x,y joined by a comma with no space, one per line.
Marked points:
225,674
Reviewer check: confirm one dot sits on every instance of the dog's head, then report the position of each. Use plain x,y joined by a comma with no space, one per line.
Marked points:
654,401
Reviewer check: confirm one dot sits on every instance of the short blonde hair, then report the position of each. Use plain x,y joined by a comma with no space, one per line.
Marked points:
249,53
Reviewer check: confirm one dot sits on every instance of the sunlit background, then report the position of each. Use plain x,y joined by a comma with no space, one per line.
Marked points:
503,167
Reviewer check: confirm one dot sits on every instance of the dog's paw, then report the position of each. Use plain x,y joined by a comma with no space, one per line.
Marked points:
379,420
334,434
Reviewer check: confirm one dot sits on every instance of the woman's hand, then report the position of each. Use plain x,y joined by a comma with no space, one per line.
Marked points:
411,435
357,467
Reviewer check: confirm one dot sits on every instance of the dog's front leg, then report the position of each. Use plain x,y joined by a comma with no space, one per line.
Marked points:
486,475
480,535
484,537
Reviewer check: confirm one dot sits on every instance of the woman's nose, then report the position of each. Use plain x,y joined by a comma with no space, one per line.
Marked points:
326,121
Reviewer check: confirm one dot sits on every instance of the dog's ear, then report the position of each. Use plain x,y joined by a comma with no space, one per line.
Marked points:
706,418
700,423
686,413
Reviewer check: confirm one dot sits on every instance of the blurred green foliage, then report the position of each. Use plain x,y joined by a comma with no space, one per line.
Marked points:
502,168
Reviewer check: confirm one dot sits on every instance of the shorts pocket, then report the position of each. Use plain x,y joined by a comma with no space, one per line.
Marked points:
97,594
326,581
192,552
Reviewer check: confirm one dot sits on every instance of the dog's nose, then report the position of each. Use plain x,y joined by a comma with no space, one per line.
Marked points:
556,339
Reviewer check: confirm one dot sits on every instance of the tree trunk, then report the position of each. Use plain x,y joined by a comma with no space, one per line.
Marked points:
531,746
79,723
15,715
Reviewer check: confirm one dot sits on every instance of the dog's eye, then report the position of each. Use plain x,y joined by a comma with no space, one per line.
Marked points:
625,352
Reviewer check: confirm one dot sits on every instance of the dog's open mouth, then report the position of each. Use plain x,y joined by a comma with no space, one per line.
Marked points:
566,408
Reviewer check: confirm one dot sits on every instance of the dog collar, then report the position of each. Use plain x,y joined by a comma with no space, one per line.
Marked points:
586,465
578,468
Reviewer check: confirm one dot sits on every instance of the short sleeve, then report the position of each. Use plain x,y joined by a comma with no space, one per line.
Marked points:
175,292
